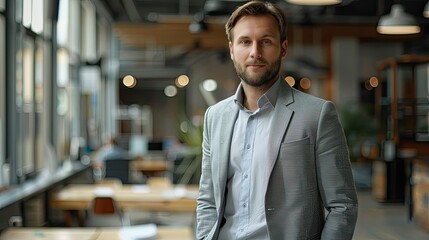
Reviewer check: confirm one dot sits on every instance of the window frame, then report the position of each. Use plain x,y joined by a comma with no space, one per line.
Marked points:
3,166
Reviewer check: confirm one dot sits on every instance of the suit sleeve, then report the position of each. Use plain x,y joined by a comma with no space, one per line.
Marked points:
206,208
335,177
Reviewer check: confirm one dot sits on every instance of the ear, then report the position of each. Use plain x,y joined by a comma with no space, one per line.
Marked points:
284,47
231,50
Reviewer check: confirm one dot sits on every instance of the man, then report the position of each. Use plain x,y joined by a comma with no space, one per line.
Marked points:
275,160
109,151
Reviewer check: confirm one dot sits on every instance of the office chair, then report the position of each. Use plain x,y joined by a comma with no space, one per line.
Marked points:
118,168
105,212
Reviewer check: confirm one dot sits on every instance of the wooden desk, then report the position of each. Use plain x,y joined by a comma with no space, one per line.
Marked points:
163,233
49,233
174,199
76,197
150,167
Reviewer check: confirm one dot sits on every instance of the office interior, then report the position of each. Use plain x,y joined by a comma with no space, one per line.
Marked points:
74,73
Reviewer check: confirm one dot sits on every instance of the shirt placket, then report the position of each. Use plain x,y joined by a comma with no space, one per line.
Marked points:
244,210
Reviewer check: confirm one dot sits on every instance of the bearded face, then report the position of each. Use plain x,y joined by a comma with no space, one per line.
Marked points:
256,50
257,79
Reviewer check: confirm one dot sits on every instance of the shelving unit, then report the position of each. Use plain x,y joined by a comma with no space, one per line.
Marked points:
402,114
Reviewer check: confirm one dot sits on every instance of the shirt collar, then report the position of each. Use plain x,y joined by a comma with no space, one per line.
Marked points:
269,97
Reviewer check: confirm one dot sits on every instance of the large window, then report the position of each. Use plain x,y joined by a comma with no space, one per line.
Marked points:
90,76
68,108
30,91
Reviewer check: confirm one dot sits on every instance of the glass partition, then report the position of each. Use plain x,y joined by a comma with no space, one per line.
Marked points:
2,96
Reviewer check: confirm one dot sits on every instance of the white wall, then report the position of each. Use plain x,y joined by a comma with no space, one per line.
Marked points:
345,70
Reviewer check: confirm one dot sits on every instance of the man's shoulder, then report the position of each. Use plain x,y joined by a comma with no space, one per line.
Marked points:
300,95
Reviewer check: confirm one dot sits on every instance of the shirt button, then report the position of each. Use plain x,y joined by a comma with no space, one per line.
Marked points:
244,205
245,176
248,146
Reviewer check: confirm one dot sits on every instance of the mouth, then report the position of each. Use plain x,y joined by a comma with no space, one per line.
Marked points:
256,65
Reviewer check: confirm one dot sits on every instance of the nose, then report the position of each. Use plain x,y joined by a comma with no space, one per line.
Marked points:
255,51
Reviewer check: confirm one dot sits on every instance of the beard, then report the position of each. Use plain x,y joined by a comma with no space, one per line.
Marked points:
258,80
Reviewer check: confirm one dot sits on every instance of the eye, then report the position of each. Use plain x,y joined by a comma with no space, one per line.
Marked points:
266,42
245,42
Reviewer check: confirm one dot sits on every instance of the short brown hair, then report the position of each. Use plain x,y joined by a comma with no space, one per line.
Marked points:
257,8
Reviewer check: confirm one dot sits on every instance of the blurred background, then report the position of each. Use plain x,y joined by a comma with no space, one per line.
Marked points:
75,74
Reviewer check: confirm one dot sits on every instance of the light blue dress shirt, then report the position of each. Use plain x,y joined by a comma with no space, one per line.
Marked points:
247,173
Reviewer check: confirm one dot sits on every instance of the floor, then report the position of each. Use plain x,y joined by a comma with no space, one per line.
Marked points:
385,221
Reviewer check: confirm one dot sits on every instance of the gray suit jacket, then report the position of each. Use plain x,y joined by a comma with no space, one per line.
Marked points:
309,164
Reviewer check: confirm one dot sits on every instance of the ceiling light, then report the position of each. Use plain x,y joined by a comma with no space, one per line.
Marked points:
398,22
199,24
426,11
197,27
314,2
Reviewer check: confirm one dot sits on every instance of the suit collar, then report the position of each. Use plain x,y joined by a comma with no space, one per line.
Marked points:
281,119
285,95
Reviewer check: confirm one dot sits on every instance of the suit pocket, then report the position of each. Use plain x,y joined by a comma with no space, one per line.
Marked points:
301,141
296,160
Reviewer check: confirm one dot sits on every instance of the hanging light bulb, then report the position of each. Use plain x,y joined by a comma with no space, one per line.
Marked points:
314,2
426,11
397,22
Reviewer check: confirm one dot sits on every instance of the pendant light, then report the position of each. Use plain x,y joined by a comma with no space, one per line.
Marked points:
398,22
314,2
426,11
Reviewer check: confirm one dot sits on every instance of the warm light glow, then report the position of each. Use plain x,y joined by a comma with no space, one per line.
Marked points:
305,83
398,29
368,85
129,81
290,80
314,2
170,91
182,81
373,81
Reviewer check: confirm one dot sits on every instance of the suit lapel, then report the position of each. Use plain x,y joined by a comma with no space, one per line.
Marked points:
228,120
281,119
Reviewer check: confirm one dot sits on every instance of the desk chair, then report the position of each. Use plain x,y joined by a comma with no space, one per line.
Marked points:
105,212
118,168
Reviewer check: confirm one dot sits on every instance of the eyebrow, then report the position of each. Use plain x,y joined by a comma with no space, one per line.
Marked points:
264,36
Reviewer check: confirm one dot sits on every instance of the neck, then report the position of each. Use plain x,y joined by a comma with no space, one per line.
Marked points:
252,94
